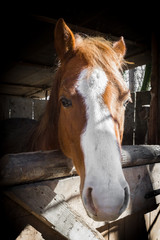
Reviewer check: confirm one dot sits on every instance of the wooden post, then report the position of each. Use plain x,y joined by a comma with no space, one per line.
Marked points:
154,117
159,93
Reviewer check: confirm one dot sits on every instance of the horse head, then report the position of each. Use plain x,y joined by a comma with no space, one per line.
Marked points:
92,97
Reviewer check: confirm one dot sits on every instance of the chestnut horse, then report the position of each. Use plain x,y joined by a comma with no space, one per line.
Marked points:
84,118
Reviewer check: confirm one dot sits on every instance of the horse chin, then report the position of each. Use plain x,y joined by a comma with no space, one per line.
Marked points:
101,218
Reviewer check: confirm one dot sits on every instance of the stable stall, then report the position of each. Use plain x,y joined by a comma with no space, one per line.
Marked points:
40,196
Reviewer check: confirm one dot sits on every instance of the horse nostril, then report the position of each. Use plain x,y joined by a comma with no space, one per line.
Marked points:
106,205
126,199
89,201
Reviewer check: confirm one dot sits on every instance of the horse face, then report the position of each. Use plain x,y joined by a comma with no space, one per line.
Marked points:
90,130
105,191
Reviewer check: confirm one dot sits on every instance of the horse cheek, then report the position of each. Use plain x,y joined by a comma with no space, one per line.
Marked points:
63,136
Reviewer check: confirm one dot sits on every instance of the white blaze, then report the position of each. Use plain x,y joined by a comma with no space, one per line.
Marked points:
98,140
105,192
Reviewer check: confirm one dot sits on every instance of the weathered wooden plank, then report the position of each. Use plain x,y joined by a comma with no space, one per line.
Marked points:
140,155
24,79
33,166
37,166
152,220
57,201
54,211
30,233
16,218
141,180
14,107
20,107
142,116
131,227
48,197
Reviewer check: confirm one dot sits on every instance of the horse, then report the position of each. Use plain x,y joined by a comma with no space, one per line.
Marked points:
84,118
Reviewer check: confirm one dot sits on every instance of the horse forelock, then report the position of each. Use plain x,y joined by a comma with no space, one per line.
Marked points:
97,51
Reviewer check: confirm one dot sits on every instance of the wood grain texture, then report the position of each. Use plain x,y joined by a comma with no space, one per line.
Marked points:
43,165
54,211
33,166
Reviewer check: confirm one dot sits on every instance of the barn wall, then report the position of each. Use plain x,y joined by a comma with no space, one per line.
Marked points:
18,107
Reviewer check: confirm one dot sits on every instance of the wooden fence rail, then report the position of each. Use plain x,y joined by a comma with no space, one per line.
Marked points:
143,160
57,202
43,165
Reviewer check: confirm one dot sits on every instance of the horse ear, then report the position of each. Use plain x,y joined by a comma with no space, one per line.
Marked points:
120,48
64,39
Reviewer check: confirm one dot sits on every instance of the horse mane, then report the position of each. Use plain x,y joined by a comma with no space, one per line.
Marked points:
96,51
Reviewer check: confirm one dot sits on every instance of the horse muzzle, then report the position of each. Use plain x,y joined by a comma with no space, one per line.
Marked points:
104,204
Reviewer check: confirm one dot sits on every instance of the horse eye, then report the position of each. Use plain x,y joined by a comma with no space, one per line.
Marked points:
126,102
66,102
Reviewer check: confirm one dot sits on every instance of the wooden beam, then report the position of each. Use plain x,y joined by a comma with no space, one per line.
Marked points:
86,30
139,58
153,116
58,202
33,166
30,233
43,165
138,155
39,87
54,212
